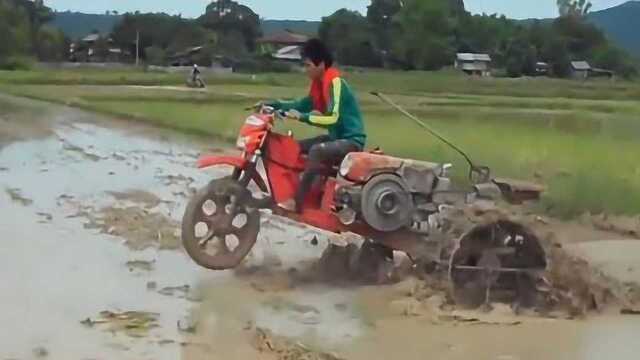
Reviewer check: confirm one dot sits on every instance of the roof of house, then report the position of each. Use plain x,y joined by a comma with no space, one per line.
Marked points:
91,38
580,65
284,37
473,57
186,52
288,53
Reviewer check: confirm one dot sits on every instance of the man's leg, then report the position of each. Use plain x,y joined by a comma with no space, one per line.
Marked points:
320,156
307,144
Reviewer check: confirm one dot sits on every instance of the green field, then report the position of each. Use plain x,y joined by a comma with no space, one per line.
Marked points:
577,138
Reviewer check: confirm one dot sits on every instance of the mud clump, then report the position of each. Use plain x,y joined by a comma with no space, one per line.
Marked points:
140,265
182,292
140,228
132,323
574,286
142,197
622,225
283,348
16,196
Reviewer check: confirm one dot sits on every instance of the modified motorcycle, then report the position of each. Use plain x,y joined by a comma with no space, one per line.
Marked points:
396,204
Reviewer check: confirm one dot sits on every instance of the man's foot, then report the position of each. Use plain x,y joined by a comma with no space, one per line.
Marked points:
289,205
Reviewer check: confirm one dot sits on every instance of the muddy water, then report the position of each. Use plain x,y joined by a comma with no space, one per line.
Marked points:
57,273
63,173
76,190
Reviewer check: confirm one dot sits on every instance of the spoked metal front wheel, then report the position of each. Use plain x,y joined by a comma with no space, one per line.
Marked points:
219,229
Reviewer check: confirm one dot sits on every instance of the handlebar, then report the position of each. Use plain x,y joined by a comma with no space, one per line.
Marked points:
269,110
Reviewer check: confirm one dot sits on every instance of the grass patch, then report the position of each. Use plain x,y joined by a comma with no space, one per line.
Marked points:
580,139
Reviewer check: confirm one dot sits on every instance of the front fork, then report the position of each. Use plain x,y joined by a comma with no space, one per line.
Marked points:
245,175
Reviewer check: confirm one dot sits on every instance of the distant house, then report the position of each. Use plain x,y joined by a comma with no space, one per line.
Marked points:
96,48
474,64
597,72
580,70
288,53
284,38
91,39
542,68
186,57
284,45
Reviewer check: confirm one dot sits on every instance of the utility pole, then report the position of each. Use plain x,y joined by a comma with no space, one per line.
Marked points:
137,47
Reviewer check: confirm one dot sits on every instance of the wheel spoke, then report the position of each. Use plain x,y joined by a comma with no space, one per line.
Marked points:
222,245
206,238
201,217
222,237
221,204
239,232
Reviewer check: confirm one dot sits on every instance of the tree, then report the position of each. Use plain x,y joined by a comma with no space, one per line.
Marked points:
155,55
521,57
457,7
156,30
357,48
22,32
227,16
580,36
423,33
380,16
486,34
611,57
52,45
231,43
578,8
555,52
14,30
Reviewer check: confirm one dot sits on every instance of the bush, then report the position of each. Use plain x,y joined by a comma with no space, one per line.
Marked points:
13,63
612,58
155,55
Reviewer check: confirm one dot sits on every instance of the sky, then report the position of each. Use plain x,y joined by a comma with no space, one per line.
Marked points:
310,9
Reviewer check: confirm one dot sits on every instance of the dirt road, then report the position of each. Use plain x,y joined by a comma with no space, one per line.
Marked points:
92,268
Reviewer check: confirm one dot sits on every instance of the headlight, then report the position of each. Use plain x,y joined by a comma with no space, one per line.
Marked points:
254,120
242,142
346,165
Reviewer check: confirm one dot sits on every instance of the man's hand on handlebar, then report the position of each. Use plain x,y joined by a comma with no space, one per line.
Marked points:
257,106
293,115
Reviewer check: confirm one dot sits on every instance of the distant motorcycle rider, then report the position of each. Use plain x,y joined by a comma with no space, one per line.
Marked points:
195,74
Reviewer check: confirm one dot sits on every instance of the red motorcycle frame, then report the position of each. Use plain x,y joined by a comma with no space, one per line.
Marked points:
283,163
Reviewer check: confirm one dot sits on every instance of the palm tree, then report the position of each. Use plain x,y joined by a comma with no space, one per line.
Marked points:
579,8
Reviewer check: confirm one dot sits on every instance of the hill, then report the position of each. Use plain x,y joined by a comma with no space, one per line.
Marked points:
301,27
76,25
621,24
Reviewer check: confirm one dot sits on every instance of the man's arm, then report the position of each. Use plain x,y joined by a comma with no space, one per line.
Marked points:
333,113
304,105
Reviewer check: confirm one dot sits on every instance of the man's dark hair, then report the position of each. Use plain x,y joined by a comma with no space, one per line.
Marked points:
316,51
